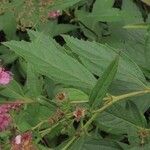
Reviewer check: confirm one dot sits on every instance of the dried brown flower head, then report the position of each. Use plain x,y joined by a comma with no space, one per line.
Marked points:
79,113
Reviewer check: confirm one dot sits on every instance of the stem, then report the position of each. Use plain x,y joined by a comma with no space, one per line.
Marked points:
78,102
114,100
118,98
48,130
69,143
96,113
39,124
110,103
45,132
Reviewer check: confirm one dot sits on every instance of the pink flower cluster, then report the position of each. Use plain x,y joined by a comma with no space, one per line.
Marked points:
5,76
5,118
54,14
6,108
5,121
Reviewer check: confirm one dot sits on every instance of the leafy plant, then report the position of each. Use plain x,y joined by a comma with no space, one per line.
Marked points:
78,75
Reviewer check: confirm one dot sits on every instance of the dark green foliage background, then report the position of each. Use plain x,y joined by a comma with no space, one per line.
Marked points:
96,49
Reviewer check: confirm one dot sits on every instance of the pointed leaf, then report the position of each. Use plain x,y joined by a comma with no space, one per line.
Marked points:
96,57
13,90
100,89
52,62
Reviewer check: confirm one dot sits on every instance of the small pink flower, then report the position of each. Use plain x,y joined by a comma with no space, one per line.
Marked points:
54,14
5,108
5,118
18,139
5,76
5,121
79,113
27,136
22,142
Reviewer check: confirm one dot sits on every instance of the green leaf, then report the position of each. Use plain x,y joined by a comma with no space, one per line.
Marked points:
33,83
119,119
103,11
102,5
132,9
9,27
52,62
89,143
110,15
141,147
136,115
147,48
13,90
53,28
102,85
9,58
25,120
96,58
90,28
75,94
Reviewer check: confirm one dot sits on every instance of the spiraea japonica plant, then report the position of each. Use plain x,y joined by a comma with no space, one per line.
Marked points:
74,75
